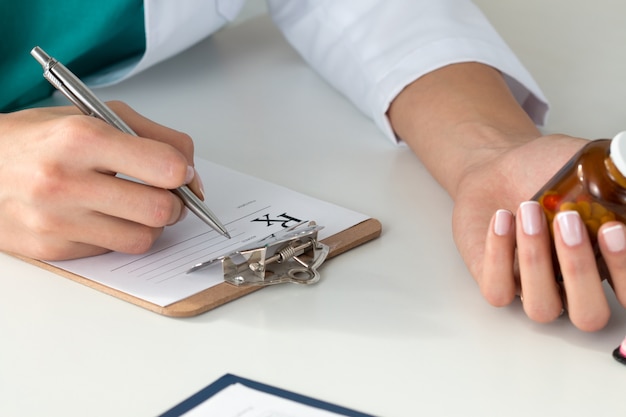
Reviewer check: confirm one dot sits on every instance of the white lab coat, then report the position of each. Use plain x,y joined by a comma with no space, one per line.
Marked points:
369,50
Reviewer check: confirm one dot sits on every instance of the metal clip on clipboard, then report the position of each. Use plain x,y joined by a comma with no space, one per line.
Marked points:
291,255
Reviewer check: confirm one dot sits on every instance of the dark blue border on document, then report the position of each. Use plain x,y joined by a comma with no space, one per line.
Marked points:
229,379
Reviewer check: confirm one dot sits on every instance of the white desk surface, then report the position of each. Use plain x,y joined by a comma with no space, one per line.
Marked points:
395,328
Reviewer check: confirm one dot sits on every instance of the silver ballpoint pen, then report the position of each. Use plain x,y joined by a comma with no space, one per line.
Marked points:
82,97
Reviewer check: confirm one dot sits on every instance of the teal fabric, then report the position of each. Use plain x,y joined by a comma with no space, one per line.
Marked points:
83,35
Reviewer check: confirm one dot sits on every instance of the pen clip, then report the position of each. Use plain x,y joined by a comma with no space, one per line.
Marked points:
58,84
48,64
76,91
291,255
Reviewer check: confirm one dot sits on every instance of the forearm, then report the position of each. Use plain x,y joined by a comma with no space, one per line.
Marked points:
457,117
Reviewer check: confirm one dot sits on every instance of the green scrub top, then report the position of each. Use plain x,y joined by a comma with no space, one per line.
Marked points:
84,35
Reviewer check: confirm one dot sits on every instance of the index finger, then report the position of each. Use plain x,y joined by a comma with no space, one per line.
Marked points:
150,129
147,128
93,144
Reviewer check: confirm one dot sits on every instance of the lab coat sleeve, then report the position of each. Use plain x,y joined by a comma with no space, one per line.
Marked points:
171,27
371,49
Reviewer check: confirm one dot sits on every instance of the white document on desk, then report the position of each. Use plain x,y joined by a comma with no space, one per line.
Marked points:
250,208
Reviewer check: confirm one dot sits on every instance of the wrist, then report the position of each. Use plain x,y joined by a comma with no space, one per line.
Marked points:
457,117
473,146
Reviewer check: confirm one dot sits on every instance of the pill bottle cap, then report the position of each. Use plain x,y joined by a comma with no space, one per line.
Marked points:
618,152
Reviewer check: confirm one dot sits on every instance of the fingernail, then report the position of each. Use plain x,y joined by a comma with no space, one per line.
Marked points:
531,217
191,172
614,238
200,186
502,222
570,227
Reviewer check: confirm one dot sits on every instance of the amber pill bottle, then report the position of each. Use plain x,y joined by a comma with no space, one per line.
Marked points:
593,183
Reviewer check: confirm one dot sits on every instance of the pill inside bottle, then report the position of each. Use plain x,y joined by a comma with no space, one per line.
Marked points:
592,182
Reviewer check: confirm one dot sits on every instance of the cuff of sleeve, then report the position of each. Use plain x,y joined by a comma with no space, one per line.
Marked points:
453,51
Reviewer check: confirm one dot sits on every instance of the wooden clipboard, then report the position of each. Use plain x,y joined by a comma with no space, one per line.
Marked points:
222,293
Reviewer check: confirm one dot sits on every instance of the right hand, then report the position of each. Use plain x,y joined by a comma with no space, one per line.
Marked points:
59,196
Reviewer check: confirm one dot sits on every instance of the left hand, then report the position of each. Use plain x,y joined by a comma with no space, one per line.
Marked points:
517,258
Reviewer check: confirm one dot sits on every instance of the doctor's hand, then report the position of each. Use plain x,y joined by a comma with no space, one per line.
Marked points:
509,252
476,140
59,196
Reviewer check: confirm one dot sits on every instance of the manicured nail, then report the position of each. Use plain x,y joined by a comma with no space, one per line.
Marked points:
200,186
191,172
614,238
502,223
532,219
571,227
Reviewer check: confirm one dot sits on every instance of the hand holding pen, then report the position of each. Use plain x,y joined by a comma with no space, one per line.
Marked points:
61,198
78,93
